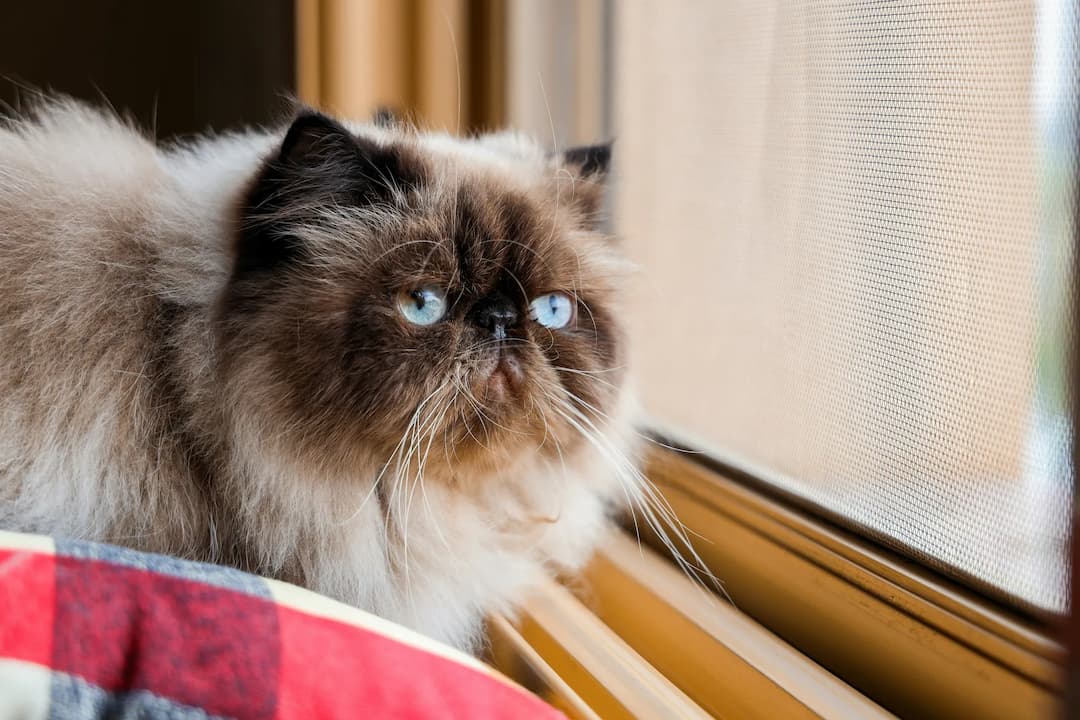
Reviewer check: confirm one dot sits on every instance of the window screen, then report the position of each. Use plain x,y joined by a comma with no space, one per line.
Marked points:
854,223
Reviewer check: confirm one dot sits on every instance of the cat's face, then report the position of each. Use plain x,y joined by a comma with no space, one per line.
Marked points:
405,299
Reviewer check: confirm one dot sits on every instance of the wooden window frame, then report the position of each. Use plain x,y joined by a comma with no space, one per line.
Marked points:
916,642
828,624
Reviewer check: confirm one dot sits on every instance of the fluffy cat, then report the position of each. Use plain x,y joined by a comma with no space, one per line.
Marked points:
383,364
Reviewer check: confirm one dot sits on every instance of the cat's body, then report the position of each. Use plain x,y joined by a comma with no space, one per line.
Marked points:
193,359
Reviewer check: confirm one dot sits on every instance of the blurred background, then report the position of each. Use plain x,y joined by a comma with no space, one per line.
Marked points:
855,223
459,65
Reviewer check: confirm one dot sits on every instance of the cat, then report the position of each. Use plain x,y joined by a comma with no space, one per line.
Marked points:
381,363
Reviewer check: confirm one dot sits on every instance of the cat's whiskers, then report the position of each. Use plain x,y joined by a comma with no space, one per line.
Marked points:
599,371
641,493
600,413
436,423
475,404
422,436
585,373
396,452
555,440
628,493
535,407
465,422
400,481
378,477
478,408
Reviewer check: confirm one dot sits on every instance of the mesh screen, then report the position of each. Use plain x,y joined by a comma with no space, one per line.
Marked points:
854,222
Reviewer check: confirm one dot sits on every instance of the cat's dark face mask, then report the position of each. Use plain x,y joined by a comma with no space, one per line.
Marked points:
394,304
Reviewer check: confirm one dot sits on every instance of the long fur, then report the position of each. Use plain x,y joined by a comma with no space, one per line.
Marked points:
198,356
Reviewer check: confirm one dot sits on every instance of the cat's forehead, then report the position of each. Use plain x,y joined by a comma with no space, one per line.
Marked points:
493,187
487,206
475,235
489,232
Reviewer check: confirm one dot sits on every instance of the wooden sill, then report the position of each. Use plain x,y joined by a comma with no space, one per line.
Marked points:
718,656
516,658
593,662
915,643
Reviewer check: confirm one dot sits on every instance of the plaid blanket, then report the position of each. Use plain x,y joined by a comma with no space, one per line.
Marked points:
94,631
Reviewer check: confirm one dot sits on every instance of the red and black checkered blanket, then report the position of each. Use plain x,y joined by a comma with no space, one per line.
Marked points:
94,631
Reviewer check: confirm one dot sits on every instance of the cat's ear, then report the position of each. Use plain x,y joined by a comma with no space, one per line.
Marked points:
588,166
321,160
588,161
319,164
315,142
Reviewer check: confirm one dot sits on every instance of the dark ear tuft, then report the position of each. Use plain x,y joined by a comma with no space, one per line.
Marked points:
320,163
588,161
588,165
313,138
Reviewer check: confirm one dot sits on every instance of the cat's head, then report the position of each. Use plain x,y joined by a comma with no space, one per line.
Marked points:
398,297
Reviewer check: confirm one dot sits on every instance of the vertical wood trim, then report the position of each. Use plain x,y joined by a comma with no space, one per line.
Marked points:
347,56
363,56
443,61
556,69
527,38
308,61
589,86
443,76
487,60
393,59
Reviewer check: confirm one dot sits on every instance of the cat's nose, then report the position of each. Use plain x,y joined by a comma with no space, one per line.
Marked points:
495,313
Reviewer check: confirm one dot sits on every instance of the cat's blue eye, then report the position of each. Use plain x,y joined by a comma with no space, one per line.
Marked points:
554,310
422,306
